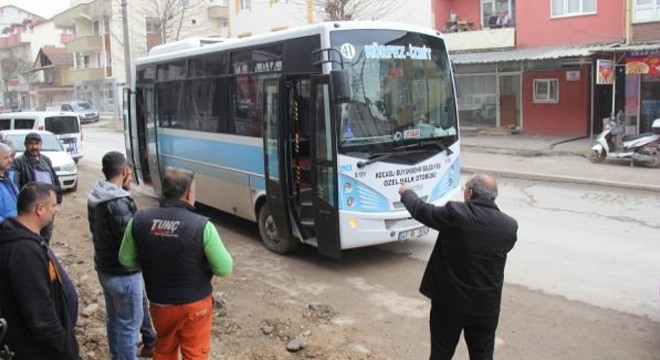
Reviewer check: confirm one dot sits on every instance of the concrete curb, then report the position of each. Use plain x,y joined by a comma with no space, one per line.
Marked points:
504,151
521,152
558,178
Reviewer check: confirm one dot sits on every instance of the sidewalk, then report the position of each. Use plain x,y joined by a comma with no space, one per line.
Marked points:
546,158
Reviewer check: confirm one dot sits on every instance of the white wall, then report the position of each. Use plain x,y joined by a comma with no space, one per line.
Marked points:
42,35
262,17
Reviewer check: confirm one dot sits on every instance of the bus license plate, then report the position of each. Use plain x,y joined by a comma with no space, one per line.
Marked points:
420,231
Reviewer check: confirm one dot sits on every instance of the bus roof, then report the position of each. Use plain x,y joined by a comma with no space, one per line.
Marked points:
198,46
184,44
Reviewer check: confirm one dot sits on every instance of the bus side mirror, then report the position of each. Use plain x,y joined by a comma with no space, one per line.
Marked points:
339,85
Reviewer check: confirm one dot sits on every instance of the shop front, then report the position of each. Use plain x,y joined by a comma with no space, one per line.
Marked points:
542,91
643,88
489,96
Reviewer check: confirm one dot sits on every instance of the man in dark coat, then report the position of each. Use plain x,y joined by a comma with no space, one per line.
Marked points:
39,300
34,166
465,272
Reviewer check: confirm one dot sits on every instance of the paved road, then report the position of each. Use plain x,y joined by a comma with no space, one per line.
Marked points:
594,244
99,140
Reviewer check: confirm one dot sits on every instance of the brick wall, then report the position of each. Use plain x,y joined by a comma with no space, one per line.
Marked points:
649,31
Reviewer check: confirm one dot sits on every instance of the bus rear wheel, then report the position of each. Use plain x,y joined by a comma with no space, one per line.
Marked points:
271,236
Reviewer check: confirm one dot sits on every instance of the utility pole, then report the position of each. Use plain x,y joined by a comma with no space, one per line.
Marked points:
127,47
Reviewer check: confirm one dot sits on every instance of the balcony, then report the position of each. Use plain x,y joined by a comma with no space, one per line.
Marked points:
12,41
85,43
87,74
484,39
218,11
86,11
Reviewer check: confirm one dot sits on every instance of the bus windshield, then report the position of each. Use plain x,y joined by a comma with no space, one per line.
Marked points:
401,90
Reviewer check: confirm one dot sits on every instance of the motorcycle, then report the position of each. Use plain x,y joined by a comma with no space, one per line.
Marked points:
642,148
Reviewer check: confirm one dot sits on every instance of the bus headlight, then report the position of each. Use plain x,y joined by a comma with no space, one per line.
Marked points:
353,224
350,201
348,187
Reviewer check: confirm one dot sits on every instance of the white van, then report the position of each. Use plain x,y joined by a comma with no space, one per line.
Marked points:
65,125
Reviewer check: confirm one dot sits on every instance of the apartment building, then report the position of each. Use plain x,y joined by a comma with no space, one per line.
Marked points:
98,72
536,71
22,36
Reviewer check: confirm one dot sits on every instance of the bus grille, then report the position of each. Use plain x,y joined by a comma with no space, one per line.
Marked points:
399,204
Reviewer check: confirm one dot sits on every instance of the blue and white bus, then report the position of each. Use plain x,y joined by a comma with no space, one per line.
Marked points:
307,131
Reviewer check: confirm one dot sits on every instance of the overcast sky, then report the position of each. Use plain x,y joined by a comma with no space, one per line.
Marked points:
45,8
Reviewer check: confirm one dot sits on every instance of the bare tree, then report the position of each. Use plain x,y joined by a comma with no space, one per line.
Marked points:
337,10
171,17
12,69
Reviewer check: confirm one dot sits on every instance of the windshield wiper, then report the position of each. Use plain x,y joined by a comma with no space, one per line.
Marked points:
383,156
420,144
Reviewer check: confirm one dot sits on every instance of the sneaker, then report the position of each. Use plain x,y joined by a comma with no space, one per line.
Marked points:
146,352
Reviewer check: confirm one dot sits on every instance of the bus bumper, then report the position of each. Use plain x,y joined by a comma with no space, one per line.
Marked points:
359,229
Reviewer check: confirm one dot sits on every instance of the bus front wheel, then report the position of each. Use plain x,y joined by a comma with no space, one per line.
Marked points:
271,236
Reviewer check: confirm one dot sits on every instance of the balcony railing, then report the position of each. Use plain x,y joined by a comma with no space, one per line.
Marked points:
83,10
87,74
85,43
481,39
11,40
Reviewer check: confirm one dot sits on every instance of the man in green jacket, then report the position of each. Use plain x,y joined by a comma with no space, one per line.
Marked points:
179,252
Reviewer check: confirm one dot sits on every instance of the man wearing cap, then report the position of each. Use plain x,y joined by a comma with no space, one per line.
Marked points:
33,166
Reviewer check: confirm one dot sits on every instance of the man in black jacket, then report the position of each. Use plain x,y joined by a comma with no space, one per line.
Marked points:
465,272
179,252
109,209
39,300
33,166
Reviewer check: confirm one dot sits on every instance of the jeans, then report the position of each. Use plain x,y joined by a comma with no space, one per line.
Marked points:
124,305
147,328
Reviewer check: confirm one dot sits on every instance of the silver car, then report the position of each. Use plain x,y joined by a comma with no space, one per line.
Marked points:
85,110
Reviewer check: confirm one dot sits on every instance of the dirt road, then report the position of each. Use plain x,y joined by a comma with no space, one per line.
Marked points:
363,307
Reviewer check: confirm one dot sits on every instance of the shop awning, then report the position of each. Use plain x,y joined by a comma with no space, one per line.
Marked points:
521,54
629,47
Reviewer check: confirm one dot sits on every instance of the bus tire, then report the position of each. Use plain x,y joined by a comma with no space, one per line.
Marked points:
271,236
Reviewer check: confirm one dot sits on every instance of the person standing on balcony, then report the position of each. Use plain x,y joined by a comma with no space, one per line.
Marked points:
503,19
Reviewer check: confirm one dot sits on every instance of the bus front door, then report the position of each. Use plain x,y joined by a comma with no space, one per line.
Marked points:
151,145
324,174
274,219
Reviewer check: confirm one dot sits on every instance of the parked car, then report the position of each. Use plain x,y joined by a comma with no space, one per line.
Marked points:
66,125
63,163
84,109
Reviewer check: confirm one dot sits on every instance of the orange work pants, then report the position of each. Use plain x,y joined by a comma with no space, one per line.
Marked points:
187,326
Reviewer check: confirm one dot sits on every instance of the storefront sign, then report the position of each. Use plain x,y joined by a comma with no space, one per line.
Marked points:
632,93
573,75
643,62
604,72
